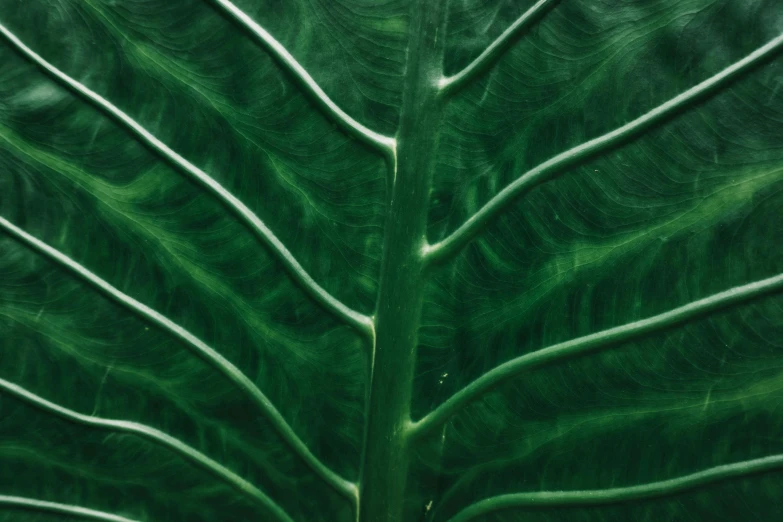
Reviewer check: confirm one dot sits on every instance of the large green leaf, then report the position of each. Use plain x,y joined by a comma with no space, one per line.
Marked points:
217,302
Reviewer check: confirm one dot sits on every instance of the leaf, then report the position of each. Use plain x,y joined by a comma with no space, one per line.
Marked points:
383,262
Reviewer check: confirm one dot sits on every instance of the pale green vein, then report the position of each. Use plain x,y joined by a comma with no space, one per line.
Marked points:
199,347
586,259
589,343
297,272
582,153
590,497
384,143
154,435
452,84
62,509
114,200
593,425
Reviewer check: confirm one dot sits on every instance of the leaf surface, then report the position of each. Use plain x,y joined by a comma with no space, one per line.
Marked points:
193,201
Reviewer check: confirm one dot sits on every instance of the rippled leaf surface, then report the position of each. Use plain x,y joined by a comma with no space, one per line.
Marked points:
628,287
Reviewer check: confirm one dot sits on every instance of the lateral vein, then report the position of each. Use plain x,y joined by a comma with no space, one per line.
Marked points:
63,509
385,144
205,351
590,343
624,494
154,435
451,84
298,273
576,156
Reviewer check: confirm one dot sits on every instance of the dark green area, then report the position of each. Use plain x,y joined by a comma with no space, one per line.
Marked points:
687,209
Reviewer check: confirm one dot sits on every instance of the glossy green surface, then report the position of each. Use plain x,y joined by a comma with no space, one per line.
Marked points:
411,260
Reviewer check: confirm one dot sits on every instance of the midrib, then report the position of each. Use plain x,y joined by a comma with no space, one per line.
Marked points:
398,311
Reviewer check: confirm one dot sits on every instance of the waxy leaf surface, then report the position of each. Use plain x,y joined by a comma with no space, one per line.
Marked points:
163,357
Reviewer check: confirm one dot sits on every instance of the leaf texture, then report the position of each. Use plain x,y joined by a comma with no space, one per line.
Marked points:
208,275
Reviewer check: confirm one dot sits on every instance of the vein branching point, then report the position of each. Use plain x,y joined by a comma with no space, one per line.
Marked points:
297,272
208,353
450,85
600,340
576,156
385,144
390,436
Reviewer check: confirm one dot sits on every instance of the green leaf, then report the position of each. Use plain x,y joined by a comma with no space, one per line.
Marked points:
415,260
